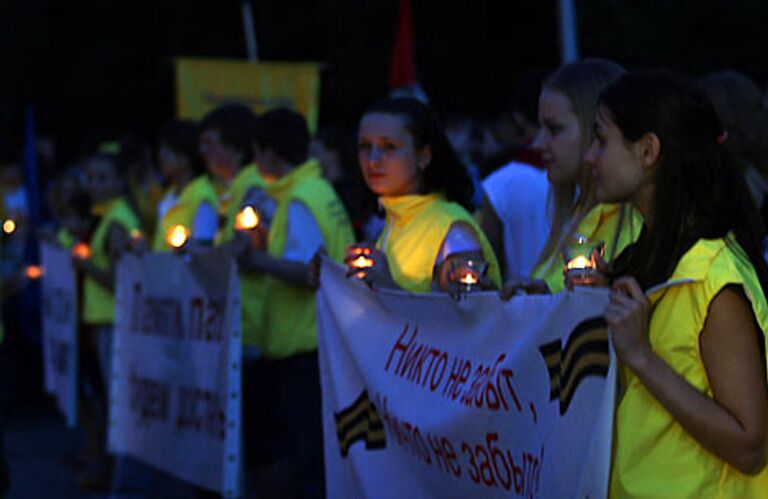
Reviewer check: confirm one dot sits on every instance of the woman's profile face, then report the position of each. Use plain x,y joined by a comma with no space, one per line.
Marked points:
616,166
559,138
390,162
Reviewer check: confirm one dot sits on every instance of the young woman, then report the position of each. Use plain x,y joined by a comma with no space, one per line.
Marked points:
693,416
567,114
407,161
191,200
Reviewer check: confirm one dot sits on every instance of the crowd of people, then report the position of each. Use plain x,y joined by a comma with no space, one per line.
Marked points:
664,178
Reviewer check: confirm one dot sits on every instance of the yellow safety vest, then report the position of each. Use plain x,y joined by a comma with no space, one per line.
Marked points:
195,193
654,457
251,285
415,230
290,315
600,224
99,302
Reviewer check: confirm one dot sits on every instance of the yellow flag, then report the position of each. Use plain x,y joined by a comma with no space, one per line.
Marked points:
204,84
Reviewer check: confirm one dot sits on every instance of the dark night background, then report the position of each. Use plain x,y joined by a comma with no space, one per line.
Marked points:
94,69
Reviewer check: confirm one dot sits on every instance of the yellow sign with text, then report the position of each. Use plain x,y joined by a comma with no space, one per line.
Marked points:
204,84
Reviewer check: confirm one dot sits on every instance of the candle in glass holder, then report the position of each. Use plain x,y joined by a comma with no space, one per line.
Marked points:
581,261
81,250
9,226
247,218
465,274
360,260
177,236
33,272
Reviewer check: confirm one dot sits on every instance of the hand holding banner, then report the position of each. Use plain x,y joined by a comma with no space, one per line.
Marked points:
425,396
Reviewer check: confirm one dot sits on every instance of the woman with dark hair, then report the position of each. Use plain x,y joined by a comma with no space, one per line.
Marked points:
426,192
693,415
191,200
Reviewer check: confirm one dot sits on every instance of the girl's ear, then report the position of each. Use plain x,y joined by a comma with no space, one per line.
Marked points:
425,157
649,150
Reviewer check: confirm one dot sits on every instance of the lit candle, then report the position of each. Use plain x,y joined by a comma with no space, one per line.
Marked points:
580,262
9,226
33,272
136,235
177,236
247,219
469,278
81,250
362,262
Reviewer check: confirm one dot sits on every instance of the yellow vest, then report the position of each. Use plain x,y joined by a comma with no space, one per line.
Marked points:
184,211
416,228
290,315
653,454
251,285
598,225
99,302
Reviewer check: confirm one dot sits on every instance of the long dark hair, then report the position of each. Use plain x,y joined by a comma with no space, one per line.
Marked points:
698,191
444,173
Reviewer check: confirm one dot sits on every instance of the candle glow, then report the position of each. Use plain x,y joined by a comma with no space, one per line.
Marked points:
33,272
247,219
81,250
579,263
362,262
469,278
9,226
177,236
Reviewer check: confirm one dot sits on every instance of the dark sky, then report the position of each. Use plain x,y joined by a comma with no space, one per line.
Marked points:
96,68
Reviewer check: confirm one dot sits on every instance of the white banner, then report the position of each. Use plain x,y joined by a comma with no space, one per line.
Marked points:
60,352
424,396
175,387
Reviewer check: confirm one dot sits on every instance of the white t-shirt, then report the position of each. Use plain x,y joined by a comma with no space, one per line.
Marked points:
519,194
303,237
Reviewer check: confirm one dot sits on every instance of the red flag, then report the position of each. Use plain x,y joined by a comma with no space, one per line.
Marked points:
402,66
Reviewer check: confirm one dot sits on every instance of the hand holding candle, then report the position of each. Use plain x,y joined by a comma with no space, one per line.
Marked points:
359,260
465,274
177,236
247,218
81,251
581,262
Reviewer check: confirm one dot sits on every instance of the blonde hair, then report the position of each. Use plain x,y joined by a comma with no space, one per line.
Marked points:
581,82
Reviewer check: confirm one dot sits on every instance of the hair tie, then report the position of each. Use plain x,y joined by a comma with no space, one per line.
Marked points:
722,137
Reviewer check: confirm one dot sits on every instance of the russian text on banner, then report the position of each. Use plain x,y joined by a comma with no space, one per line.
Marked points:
175,387
204,84
60,348
424,396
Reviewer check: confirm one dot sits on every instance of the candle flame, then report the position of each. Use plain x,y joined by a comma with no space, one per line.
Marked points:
81,250
33,272
177,236
9,226
247,219
579,263
362,262
469,278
